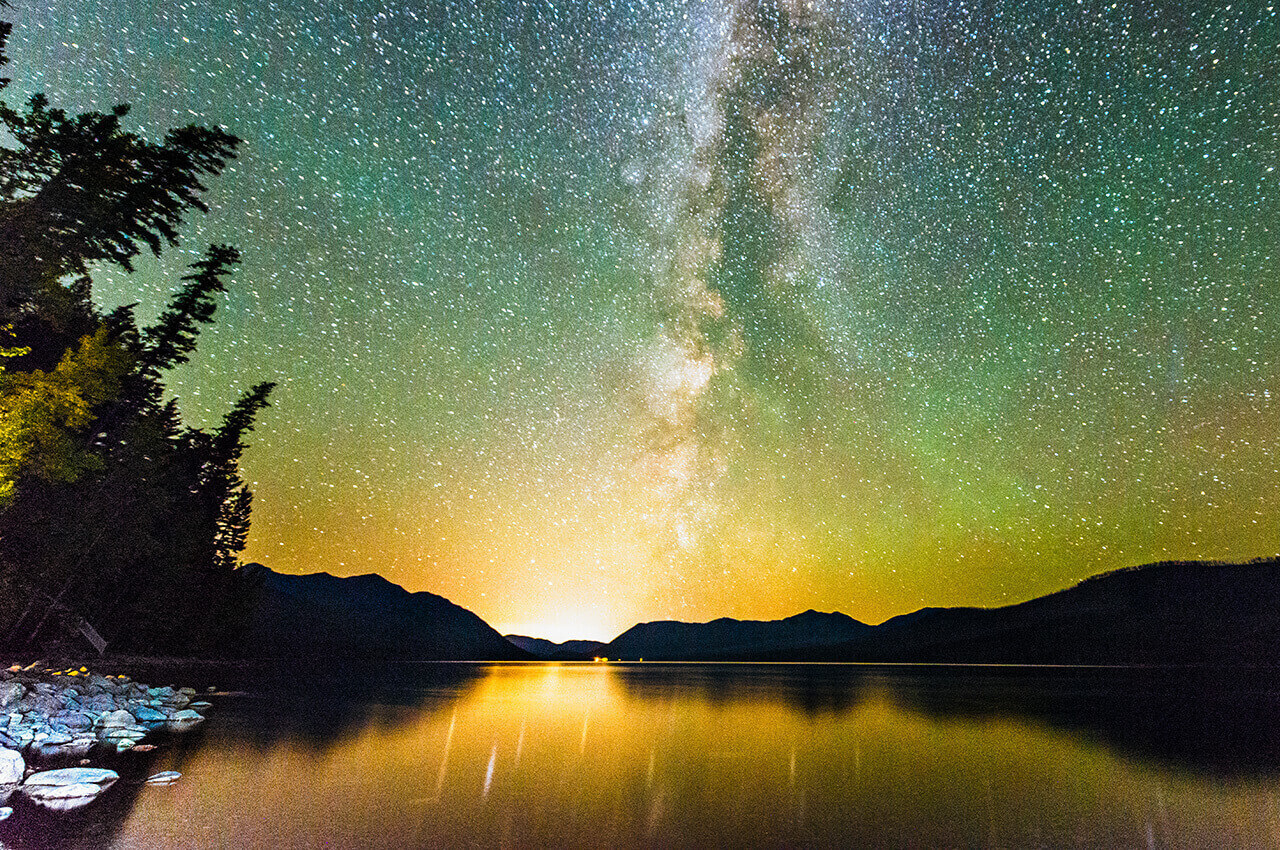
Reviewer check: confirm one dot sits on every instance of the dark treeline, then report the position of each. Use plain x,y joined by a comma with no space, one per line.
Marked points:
112,511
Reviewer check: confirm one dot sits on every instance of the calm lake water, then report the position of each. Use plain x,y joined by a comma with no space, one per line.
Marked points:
679,755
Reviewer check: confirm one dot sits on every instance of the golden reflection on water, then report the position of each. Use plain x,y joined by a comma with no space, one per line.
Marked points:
582,755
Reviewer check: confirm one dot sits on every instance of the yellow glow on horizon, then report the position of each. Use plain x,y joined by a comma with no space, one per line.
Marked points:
559,627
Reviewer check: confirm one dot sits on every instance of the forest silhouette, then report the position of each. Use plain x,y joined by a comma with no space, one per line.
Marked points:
118,522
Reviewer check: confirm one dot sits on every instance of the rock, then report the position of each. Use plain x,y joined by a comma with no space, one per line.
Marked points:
43,703
116,719
68,788
164,777
200,705
184,720
110,686
169,697
72,776
64,798
5,811
147,714
73,720
115,734
11,767
11,692
56,735
74,749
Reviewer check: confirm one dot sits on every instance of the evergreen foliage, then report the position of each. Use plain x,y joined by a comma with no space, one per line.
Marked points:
111,510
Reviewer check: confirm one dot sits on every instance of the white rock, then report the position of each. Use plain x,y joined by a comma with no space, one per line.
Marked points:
117,718
68,788
184,719
11,767
122,733
63,798
72,776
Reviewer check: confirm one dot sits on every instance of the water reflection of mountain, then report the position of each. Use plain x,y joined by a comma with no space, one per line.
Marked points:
318,708
313,703
1224,723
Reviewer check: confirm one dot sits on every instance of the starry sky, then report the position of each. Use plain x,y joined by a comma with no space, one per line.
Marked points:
587,312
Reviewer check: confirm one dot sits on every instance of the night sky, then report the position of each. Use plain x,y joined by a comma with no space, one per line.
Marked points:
588,313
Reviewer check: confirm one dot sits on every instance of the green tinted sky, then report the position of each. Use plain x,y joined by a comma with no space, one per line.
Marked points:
589,313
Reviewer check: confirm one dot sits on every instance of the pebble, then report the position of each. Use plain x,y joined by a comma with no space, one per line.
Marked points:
164,777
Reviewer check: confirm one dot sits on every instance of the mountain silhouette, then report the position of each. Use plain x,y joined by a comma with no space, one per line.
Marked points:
1172,612
569,650
725,638
320,615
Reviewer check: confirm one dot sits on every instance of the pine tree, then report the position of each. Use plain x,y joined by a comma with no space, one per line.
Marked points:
110,508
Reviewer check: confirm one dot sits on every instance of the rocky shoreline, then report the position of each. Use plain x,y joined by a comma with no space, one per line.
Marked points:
54,723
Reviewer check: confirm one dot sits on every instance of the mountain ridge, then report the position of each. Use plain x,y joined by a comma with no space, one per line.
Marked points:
363,617
569,650
1177,612
1167,612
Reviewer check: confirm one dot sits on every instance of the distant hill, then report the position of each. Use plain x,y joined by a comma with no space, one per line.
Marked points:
726,639
569,650
366,617
1174,612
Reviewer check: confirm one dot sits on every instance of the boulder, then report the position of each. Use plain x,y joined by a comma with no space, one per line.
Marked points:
115,734
184,720
20,734
73,720
68,788
147,714
11,767
76,748
11,692
116,719
42,703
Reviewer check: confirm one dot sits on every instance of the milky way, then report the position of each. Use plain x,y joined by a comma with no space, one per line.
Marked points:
591,313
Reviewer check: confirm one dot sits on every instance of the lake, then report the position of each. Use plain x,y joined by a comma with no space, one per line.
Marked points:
696,755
